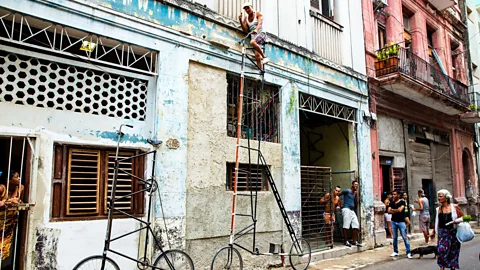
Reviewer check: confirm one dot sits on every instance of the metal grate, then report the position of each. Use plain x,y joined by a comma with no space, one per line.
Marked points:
315,4
49,36
316,182
324,107
261,111
248,179
398,179
30,81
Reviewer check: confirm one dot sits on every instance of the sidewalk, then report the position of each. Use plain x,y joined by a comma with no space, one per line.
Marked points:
362,259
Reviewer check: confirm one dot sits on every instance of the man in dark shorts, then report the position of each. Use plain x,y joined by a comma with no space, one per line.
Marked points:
253,24
397,209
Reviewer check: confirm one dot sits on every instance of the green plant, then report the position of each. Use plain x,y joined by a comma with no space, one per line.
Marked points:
473,107
467,218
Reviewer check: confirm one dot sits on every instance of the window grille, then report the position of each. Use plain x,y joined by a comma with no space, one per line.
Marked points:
261,113
248,179
36,82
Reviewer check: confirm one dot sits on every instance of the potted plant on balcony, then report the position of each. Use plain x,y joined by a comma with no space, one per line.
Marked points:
387,59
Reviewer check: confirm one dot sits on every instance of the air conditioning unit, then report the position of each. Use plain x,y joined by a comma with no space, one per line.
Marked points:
380,3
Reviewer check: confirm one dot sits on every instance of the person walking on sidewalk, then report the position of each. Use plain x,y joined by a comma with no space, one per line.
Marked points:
424,214
397,209
348,213
253,24
448,245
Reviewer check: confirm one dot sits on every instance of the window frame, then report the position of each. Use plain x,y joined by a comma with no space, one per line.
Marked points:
381,30
61,183
244,166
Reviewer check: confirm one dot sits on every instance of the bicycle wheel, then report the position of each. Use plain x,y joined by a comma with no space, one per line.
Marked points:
227,258
300,254
95,263
173,259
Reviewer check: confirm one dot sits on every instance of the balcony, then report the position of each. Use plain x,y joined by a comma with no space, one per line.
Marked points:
326,37
442,4
408,75
231,8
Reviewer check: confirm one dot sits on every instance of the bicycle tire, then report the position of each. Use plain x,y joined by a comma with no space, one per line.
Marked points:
89,264
303,246
229,264
174,260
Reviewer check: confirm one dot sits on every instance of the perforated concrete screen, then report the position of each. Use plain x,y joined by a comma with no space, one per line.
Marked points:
29,81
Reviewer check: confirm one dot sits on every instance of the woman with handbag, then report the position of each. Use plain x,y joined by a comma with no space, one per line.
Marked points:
447,243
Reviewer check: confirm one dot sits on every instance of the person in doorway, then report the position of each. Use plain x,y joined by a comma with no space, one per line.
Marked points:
10,195
348,213
388,217
448,245
332,203
407,211
397,209
424,214
253,24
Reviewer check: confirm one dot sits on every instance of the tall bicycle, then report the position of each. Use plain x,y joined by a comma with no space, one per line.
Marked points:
168,259
229,257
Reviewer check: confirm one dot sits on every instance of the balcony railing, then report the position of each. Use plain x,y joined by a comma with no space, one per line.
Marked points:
398,59
326,38
231,8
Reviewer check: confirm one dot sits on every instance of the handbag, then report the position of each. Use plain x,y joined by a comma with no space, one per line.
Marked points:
464,232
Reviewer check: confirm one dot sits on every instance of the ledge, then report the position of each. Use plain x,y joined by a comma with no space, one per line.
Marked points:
208,14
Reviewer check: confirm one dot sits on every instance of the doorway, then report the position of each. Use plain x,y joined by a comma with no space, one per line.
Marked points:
15,157
327,160
427,187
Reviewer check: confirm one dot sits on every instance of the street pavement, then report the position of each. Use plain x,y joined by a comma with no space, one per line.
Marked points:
379,258
469,259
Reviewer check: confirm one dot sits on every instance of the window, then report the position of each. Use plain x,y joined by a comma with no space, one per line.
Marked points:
324,6
382,36
454,47
406,23
261,111
255,180
83,178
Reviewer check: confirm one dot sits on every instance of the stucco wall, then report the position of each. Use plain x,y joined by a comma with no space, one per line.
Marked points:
209,149
390,132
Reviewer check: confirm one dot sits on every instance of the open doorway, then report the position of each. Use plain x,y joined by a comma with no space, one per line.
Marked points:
328,160
15,166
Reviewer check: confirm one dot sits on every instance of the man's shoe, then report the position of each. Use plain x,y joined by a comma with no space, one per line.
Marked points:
265,61
394,254
348,244
357,244
409,255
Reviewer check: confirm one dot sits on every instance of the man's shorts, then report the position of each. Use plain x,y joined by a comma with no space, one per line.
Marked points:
424,223
388,217
329,218
349,218
260,38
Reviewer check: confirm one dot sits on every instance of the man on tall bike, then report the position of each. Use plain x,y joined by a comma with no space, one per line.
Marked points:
253,24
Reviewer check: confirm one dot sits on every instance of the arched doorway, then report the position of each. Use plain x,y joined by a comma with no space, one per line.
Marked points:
467,173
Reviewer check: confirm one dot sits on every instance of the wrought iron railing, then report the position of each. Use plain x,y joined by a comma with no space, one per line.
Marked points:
394,58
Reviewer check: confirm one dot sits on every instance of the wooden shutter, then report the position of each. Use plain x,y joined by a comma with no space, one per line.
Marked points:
398,179
124,181
83,182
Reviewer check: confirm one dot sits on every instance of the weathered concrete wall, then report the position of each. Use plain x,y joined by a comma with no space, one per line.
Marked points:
390,134
209,150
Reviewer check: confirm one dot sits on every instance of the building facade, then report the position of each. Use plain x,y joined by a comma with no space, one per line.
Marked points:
418,79
74,71
473,18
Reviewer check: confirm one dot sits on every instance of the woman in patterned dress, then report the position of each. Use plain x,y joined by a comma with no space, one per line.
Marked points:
9,218
448,245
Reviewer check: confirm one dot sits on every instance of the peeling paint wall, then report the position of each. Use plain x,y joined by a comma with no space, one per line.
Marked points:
209,149
187,105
